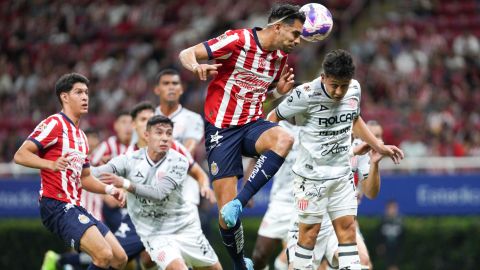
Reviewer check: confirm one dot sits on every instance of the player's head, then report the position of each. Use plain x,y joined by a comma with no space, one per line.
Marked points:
287,22
168,86
72,92
123,126
338,71
140,115
375,128
159,133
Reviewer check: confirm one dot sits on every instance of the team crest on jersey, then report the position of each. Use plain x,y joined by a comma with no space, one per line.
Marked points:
214,168
302,204
161,256
83,219
353,103
41,127
262,62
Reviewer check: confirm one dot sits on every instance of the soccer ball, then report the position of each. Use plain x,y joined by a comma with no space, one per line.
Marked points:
318,23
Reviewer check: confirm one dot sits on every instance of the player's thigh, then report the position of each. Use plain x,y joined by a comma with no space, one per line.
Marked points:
195,248
260,136
94,244
164,251
177,264
342,198
117,250
311,199
224,154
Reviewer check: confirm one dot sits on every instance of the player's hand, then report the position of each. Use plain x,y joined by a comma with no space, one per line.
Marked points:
110,178
395,153
375,157
60,164
361,149
207,193
119,195
286,82
204,70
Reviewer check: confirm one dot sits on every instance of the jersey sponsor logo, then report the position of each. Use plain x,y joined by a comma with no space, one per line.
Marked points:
257,167
316,191
302,204
139,174
334,132
83,219
249,81
337,119
323,108
333,148
214,168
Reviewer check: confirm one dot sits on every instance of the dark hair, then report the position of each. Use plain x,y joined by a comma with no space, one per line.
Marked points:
289,12
167,71
339,64
142,106
158,119
121,113
66,82
89,131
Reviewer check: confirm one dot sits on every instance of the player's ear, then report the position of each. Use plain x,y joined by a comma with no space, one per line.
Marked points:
64,97
156,90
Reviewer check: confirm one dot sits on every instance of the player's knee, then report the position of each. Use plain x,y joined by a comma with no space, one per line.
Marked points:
284,141
177,264
102,257
259,258
120,260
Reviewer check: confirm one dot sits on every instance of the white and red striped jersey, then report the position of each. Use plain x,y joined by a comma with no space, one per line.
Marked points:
57,136
111,147
235,96
176,145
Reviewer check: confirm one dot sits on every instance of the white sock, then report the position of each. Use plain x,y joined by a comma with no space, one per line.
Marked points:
364,267
302,258
279,265
348,258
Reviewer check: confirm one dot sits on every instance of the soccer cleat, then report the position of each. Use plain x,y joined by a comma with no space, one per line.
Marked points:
230,212
50,260
248,263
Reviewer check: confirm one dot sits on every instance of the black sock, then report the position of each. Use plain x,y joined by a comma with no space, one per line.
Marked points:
266,167
70,258
233,242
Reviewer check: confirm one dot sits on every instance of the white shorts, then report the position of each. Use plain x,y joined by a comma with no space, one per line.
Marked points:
325,247
314,198
277,219
188,244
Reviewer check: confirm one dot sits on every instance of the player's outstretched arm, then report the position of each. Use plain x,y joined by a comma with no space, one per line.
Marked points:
27,155
190,57
361,130
203,182
92,184
371,186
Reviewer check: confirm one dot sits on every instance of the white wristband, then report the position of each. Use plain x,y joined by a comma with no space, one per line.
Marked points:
276,94
126,183
109,189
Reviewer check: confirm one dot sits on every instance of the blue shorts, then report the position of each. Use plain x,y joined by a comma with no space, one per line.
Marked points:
68,221
112,216
128,238
225,147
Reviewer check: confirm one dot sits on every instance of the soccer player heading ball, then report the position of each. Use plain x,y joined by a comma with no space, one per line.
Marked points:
248,63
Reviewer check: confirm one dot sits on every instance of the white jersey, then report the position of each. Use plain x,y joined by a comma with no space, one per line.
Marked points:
360,163
156,217
282,188
325,140
187,125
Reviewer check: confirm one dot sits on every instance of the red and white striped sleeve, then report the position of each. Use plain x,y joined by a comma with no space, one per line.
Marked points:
46,133
99,153
223,45
177,146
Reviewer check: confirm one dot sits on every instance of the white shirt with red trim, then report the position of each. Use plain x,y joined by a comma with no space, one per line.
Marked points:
236,94
57,136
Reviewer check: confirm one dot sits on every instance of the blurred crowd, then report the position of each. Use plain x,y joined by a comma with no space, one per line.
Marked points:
418,81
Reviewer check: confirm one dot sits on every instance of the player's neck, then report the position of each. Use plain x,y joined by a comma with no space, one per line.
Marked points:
168,109
141,143
265,37
155,156
73,117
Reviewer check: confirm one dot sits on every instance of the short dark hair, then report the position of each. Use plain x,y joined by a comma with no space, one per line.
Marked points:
288,12
339,64
158,119
121,113
142,106
66,82
167,71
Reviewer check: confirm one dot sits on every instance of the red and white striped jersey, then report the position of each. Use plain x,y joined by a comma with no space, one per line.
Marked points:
57,136
235,96
110,147
176,145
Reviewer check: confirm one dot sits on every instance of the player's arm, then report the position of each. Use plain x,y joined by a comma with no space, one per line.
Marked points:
27,155
295,103
203,181
361,130
92,184
190,57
